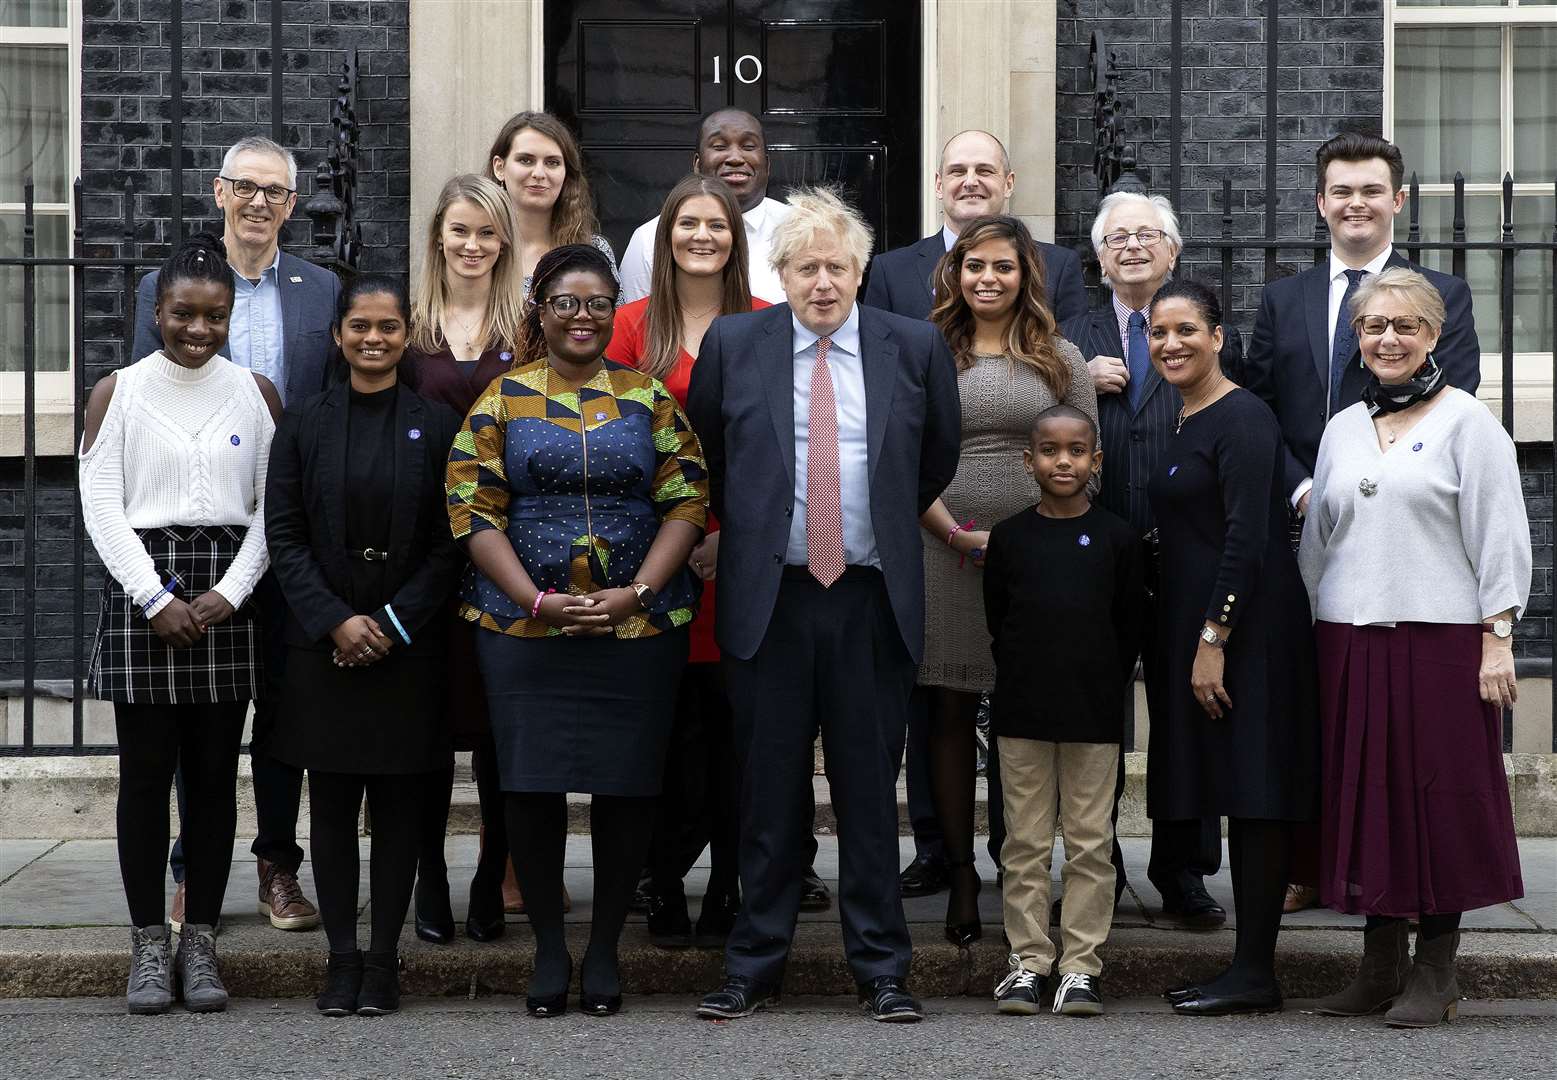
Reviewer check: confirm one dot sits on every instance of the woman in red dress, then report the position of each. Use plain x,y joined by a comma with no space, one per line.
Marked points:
699,274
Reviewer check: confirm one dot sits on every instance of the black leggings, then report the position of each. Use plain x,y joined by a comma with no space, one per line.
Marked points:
153,740
486,887
394,811
699,804
1259,859
538,834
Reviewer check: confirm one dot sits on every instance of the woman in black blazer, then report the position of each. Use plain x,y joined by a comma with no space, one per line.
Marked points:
360,542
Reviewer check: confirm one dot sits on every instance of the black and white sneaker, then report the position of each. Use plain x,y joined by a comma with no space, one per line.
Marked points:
1078,995
1019,992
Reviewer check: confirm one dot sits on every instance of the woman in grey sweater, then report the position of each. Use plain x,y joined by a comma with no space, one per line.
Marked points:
1416,554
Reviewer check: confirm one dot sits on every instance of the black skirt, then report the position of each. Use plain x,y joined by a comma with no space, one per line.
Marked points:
586,714
130,663
386,718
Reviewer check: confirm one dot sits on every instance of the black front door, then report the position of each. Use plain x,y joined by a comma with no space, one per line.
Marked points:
834,82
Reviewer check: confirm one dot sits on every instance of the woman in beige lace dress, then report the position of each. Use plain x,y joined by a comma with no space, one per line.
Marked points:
1012,364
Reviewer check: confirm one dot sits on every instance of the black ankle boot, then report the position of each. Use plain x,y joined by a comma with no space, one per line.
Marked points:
342,984
380,992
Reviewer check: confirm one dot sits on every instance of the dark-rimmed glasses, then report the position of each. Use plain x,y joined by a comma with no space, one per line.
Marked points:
566,305
245,189
1144,237
1375,325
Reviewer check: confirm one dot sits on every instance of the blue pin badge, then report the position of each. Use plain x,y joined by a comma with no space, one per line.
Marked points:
1172,469
414,434
1084,540
235,440
1417,448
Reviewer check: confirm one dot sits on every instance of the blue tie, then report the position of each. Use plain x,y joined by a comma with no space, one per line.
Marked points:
1140,359
1345,340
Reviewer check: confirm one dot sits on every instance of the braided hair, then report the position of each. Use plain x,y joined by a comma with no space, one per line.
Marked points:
550,267
202,257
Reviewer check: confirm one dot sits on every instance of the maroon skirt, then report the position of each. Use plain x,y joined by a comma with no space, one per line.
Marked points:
1416,817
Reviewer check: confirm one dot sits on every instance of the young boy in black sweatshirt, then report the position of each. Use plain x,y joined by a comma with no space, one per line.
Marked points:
1063,590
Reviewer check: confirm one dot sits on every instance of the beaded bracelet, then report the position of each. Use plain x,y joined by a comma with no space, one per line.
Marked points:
535,608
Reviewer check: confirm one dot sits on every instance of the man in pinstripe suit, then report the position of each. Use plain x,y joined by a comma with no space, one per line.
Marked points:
1136,238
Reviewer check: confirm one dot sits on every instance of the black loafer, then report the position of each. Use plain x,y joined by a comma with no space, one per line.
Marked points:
1186,992
925,876
669,925
739,996
641,894
1252,1001
1195,910
887,999
814,894
716,919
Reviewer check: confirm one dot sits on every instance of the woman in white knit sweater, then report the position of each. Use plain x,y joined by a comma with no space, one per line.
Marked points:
172,475
1416,553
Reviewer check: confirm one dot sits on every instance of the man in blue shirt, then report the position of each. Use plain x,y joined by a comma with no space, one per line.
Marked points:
283,308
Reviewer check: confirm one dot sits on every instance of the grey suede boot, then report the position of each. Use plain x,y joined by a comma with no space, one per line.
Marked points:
200,983
1386,963
150,988
1432,993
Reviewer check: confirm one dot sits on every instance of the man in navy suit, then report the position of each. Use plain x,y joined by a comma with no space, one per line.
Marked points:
975,179
1303,358
828,429
283,308
1137,242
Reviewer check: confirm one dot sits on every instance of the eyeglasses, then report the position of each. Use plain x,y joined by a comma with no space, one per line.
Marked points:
1144,237
245,189
566,305
1375,325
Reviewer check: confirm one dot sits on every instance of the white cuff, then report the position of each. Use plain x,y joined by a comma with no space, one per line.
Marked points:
1301,490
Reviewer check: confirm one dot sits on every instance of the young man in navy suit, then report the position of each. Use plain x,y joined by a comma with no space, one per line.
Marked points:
828,428
283,308
975,179
1303,358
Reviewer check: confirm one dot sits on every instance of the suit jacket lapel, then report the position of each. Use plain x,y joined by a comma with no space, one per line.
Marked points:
1316,306
776,360
929,250
409,464
332,461
291,323
878,361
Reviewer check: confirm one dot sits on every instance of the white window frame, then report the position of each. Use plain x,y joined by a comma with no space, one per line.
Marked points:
55,390
1533,386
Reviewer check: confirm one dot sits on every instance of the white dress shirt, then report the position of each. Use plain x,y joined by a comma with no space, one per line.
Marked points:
848,374
761,220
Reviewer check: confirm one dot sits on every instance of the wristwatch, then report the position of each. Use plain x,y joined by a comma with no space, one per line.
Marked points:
1212,638
645,594
1500,628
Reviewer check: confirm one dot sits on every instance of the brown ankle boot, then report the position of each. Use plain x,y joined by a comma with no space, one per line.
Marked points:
1386,962
1432,993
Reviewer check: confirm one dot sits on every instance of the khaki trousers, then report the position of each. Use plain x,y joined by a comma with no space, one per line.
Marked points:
1074,782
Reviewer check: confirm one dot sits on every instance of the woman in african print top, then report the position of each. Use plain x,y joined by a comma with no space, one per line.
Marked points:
579,490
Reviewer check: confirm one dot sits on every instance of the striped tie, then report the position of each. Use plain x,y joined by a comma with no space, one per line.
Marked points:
824,506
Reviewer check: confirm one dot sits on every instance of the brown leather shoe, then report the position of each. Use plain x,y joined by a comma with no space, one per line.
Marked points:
281,899
1299,898
513,899
177,918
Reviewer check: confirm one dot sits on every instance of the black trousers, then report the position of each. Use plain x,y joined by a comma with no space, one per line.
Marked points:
278,787
832,659
153,739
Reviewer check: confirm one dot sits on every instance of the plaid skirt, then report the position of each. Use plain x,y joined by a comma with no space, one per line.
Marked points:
130,663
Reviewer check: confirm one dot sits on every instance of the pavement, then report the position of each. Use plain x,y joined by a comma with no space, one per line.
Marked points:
657,1038
63,934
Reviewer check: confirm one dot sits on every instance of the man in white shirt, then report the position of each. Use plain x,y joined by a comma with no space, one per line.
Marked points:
730,146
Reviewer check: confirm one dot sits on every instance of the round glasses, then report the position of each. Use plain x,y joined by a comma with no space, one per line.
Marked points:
566,305
1144,237
274,193
1375,325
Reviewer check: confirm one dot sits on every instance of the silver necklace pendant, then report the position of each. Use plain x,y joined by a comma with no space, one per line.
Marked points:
1367,487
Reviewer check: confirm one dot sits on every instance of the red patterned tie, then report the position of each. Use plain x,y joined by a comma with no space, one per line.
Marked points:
824,506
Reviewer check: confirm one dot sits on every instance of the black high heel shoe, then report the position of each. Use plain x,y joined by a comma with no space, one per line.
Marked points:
963,934
552,1004
484,920
600,1004
434,917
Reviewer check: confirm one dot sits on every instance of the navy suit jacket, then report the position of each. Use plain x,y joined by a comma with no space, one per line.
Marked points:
1133,439
742,406
308,298
900,279
1289,356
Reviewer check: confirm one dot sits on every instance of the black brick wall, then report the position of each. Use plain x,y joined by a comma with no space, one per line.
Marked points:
125,53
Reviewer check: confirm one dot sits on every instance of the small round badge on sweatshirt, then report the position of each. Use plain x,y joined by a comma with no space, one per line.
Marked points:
414,434
1084,540
1416,448
505,356
235,440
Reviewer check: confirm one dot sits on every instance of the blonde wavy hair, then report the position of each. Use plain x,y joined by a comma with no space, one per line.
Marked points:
505,303
820,211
